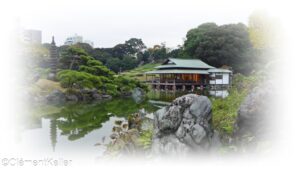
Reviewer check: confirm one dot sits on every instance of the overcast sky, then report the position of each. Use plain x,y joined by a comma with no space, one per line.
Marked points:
108,23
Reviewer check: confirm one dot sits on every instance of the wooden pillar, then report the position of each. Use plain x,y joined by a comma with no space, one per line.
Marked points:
174,87
183,87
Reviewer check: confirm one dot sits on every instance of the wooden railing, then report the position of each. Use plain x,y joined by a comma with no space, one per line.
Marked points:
173,82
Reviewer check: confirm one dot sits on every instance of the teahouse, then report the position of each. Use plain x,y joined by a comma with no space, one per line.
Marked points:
187,74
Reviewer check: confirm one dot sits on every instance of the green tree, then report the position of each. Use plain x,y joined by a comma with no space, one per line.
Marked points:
70,57
221,45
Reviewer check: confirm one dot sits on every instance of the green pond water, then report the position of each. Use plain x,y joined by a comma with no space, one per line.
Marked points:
76,128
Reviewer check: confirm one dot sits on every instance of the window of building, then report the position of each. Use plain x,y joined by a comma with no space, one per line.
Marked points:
219,76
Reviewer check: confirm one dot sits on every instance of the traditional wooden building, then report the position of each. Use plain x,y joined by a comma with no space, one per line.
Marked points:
187,74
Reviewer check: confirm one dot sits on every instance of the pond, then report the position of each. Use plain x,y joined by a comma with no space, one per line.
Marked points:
76,128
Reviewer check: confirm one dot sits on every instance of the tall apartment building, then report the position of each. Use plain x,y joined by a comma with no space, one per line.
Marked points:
32,36
72,40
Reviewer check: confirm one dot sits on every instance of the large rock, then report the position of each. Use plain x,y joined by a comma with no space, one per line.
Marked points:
72,98
183,126
255,113
138,95
56,97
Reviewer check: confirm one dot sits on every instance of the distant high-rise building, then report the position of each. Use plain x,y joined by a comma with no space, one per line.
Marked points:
72,40
32,36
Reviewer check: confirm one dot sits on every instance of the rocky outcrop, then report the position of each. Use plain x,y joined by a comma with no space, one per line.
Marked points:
183,126
57,97
255,113
138,95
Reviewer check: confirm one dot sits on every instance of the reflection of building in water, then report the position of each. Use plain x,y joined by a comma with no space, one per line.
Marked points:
53,133
218,93
169,96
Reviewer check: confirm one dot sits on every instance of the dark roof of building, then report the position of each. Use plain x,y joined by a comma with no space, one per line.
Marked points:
184,63
186,66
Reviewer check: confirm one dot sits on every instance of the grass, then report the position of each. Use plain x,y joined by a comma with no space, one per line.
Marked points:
138,73
225,110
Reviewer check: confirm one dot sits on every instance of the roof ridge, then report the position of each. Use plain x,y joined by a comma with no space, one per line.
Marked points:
185,59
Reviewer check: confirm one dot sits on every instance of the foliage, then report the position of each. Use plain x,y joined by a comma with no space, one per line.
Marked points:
70,57
221,45
225,110
92,73
72,78
85,46
123,56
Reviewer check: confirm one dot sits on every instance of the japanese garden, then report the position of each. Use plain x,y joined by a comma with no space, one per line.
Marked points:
202,96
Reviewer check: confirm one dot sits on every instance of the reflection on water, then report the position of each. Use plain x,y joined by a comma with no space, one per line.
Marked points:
169,96
79,123
76,128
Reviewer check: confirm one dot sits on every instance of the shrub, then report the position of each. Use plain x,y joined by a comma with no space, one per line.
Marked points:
112,89
225,110
72,78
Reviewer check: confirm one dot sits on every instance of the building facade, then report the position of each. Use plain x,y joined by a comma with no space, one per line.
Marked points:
32,36
187,74
72,40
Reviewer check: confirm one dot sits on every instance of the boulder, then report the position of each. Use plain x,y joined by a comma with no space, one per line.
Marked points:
255,112
106,96
56,97
51,76
184,126
96,96
138,95
71,98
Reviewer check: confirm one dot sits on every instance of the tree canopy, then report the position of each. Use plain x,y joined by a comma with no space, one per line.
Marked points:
220,45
